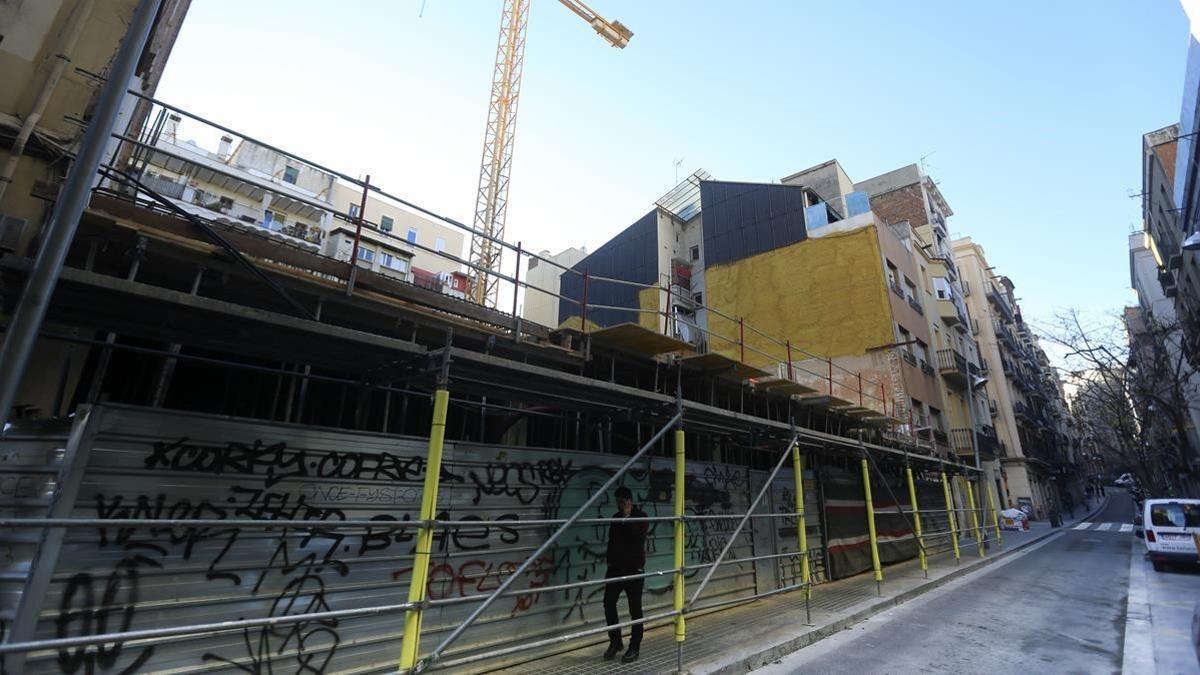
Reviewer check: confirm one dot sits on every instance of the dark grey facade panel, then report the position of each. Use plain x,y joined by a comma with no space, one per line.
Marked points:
745,219
632,255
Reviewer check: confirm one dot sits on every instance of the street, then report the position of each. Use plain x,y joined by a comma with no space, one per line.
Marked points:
1058,607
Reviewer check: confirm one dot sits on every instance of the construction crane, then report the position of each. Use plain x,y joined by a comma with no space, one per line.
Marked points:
491,202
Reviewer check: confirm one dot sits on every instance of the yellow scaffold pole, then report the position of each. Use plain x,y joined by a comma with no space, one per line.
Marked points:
916,514
995,515
411,644
801,525
866,474
679,538
951,516
974,516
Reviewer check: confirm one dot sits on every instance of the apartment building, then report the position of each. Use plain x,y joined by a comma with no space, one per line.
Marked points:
1036,447
1156,342
908,195
542,307
1169,159
249,184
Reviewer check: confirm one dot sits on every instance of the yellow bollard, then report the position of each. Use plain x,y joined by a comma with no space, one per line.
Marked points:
974,516
411,644
866,473
916,514
951,516
680,534
995,515
801,526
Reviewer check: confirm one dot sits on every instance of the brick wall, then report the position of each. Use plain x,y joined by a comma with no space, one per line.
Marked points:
907,203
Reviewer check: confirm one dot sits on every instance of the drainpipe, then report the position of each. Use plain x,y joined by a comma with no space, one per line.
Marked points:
62,57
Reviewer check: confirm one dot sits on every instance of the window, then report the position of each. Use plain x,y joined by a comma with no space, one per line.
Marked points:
695,251
291,174
699,298
226,203
412,235
1175,514
386,223
922,349
353,210
935,419
395,262
439,245
366,254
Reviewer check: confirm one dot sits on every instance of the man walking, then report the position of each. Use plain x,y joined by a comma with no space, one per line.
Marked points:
626,556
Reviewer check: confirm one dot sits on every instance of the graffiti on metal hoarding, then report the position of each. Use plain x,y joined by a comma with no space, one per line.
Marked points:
117,578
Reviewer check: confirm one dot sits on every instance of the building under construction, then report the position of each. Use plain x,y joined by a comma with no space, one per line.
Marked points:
235,451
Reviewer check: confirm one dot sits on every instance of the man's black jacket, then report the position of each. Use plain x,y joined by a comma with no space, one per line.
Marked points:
627,542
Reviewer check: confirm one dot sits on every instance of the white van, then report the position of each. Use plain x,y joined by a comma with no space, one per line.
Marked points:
1170,528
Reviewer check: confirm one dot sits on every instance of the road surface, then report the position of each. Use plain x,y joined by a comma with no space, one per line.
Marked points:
1058,606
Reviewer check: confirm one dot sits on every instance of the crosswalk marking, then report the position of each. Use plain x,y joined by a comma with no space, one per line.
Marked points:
1104,527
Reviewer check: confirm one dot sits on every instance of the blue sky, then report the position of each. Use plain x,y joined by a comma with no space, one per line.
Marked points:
1028,114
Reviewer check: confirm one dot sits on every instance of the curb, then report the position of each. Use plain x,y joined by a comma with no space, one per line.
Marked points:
775,652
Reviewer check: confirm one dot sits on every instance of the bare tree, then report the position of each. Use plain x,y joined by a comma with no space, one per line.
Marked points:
1134,394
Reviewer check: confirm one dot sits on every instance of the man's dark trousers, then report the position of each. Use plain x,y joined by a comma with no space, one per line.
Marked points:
633,594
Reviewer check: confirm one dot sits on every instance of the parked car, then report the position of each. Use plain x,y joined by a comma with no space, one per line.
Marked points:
1170,528
1125,480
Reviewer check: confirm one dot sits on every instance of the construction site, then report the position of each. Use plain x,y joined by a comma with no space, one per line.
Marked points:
252,428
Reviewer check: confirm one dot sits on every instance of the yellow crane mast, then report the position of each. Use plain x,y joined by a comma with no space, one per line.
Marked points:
491,201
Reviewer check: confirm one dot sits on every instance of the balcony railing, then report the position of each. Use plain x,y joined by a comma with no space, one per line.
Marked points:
962,441
908,356
915,304
953,366
896,288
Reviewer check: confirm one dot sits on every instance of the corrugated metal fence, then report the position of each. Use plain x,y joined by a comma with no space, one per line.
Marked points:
150,464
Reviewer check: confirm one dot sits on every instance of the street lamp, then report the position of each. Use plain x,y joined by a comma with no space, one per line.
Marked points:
977,381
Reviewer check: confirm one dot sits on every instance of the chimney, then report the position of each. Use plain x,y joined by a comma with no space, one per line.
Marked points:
223,148
171,128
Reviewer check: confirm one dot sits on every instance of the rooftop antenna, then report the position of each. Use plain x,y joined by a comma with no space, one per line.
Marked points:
678,162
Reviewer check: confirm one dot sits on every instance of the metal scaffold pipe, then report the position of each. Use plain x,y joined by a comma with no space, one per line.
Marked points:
64,219
516,574
951,516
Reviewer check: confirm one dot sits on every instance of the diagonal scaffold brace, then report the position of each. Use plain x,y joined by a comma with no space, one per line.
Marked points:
435,655
784,456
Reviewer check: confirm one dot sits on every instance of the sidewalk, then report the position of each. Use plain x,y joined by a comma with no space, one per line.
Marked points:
748,636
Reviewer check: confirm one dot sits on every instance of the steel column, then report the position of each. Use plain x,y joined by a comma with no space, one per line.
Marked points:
866,474
974,516
411,643
916,513
680,536
995,515
801,525
951,515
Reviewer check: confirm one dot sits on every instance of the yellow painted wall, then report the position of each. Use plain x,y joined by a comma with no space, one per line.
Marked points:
827,295
650,299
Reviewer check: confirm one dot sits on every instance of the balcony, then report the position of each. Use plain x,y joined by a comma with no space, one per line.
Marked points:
1022,411
953,366
993,408
896,288
916,305
962,442
951,313
908,357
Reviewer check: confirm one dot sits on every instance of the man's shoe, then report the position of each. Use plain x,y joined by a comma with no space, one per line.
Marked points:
630,656
614,648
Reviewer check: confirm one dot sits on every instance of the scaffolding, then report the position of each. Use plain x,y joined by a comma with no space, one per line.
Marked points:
330,344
